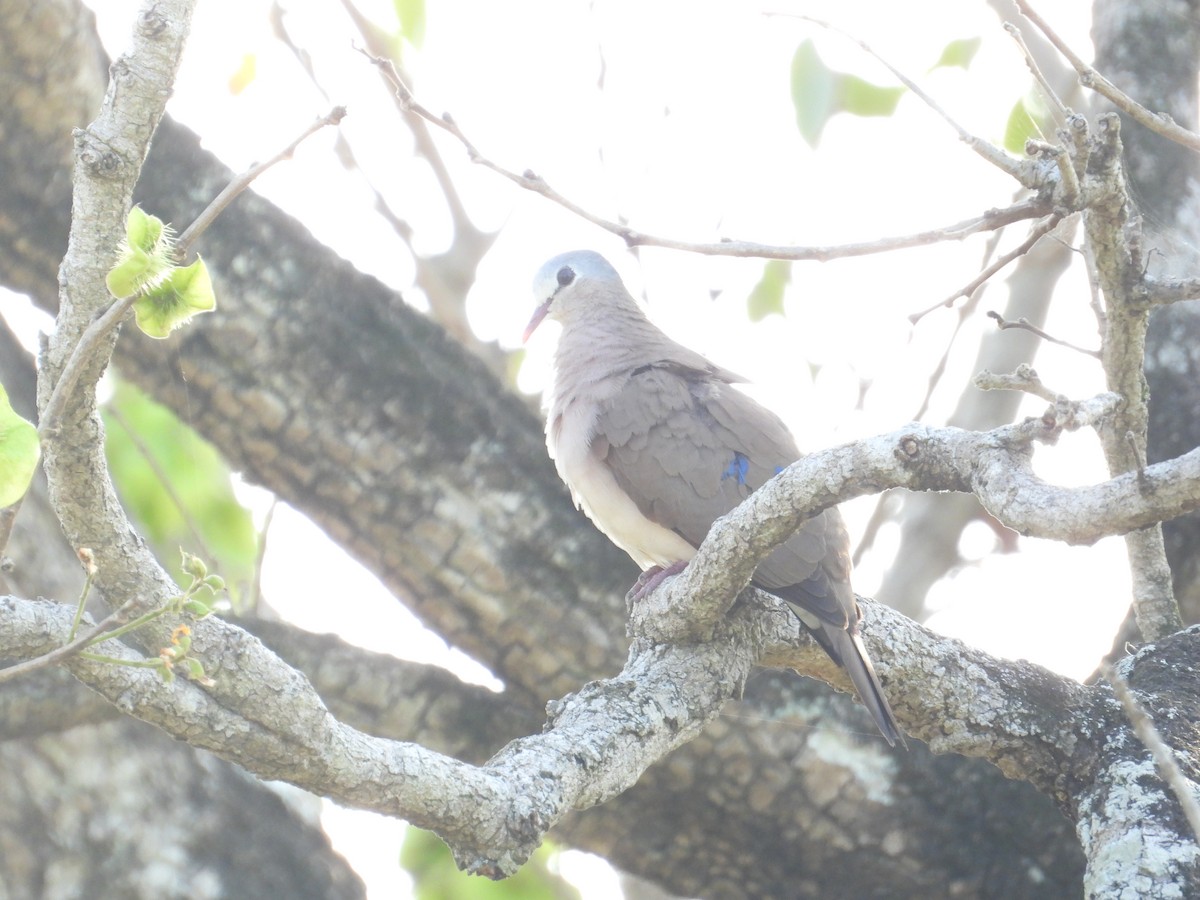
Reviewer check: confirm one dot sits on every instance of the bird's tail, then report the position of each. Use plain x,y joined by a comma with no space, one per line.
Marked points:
846,647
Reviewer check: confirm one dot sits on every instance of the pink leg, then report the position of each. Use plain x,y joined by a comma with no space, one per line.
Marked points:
652,578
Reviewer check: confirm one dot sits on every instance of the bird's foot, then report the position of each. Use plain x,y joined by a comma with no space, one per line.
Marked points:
652,578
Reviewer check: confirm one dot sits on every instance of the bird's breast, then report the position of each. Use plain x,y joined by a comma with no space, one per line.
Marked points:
570,434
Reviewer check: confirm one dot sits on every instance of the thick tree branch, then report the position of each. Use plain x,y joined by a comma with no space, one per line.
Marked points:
995,466
108,162
1115,243
672,689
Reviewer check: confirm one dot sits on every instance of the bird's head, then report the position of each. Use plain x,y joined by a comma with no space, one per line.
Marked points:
569,281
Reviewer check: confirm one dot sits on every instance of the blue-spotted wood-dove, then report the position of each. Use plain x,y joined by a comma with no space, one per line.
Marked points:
655,445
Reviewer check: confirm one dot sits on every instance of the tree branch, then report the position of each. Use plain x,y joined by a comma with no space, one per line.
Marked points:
496,814
987,221
1159,123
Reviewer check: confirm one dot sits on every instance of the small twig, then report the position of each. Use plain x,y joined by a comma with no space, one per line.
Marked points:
1160,123
255,597
122,661
990,152
1162,293
1070,179
1025,379
1095,301
88,341
8,516
1035,234
1139,455
964,313
528,180
1164,757
243,181
112,316
69,649
1025,325
88,558
377,43
1015,33
1066,166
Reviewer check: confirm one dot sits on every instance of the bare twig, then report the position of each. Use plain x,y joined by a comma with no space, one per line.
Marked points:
1139,456
1164,757
80,355
964,313
1160,123
1036,70
1061,154
68,649
1035,234
1017,168
1025,325
243,181
1025,379
988,221
255,592
8,516
1162,293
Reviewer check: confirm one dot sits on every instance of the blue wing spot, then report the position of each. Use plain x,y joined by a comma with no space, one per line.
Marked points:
738,467
779,469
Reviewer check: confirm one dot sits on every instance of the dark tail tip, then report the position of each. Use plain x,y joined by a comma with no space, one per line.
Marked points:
852,655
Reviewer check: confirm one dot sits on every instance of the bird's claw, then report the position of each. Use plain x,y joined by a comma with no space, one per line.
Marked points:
652,578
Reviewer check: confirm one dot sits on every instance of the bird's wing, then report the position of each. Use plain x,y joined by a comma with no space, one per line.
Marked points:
686,448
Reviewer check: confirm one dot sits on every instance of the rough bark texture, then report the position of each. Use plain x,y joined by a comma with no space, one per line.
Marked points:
1152,51
324,386
563,565
119,810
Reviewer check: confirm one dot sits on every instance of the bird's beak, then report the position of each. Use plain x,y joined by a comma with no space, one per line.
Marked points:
538,315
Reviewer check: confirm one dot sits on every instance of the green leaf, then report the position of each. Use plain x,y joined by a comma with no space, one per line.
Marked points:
435,876
193,565
1029,119
186,291
144,257
411,15
147,447
819,93
767,296
143,231
862,98
958,53
194,606
134,270
19,451
814,87
195,671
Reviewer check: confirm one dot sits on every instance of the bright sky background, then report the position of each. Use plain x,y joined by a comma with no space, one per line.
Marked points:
692,136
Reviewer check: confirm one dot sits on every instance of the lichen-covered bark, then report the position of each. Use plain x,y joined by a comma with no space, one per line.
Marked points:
324,386
119,810
1152,51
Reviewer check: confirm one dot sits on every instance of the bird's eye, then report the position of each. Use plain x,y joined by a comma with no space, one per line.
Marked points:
565,276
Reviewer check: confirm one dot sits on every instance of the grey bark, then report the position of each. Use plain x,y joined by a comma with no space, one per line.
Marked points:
666,816
930,527
775,846
1152,51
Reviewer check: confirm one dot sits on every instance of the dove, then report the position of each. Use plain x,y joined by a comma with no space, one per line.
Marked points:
656,444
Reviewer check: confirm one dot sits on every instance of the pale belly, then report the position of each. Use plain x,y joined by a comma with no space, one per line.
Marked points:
597,493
